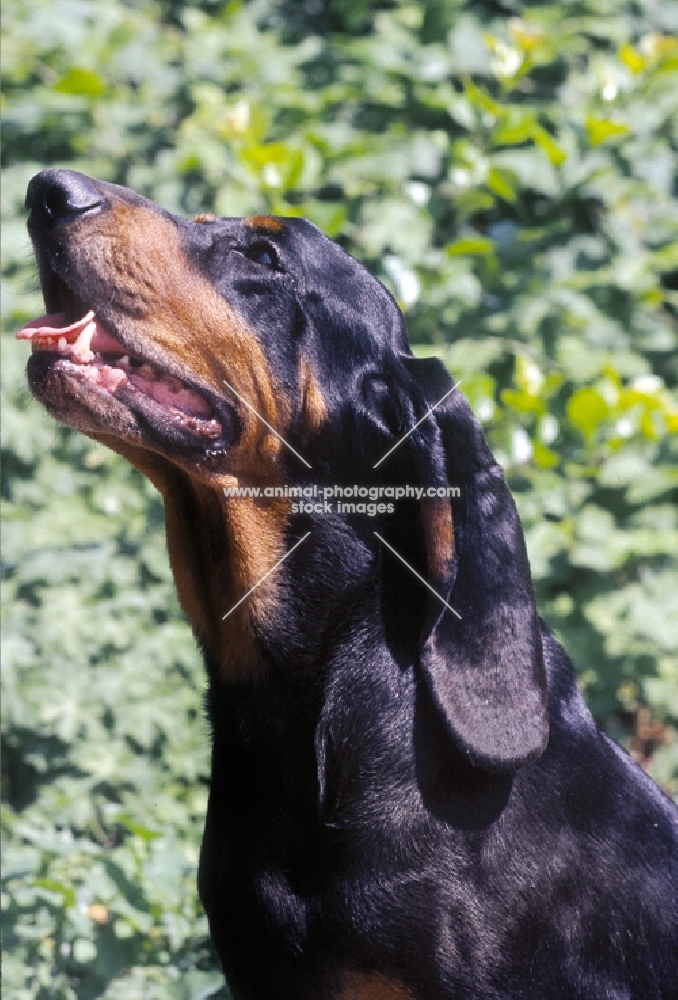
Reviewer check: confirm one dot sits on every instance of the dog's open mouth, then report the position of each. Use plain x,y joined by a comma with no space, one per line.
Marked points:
86,351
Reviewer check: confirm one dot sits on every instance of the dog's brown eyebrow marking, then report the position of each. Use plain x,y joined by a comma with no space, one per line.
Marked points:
266,223
204,217
314,407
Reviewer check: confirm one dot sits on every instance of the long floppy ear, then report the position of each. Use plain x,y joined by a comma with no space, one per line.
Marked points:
486,669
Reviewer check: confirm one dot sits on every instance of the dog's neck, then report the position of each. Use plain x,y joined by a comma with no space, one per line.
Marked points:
272,659
220,549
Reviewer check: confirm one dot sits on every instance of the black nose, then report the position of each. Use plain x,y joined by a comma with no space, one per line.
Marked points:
55,195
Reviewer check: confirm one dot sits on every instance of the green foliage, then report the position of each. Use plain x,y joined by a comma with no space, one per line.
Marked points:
511,177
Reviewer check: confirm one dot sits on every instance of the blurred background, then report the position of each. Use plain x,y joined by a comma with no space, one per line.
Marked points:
509,171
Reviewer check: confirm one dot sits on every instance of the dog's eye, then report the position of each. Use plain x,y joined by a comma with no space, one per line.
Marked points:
264,254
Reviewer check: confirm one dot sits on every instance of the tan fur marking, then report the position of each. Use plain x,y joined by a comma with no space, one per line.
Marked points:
182,319
218,548
438,525
187,522
204,217
267,223
256,536
314,408
372,986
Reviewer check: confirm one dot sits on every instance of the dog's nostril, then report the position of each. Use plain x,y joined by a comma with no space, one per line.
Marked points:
61,194
55,202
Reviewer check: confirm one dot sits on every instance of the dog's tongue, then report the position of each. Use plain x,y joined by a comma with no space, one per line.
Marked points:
79,339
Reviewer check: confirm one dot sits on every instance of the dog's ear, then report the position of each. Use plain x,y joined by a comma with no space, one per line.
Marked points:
485,669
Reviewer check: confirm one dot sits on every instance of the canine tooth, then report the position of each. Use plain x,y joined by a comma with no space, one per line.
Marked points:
124,360
82,346
62,343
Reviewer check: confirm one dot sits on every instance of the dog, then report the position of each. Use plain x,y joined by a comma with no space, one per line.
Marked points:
409,799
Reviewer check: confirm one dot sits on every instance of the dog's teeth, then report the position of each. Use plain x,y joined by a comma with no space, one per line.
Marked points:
124,360
62,343
82,346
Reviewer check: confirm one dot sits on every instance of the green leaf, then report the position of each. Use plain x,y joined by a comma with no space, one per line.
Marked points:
600,130
480,99
84,951
543,456
502,183
52,885
632,58
470,246
553,150
587,410
81,82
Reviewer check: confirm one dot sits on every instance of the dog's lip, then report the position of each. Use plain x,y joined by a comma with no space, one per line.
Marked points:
91,353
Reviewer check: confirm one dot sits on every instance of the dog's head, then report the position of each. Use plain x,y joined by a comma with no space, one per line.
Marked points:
218,352
161,330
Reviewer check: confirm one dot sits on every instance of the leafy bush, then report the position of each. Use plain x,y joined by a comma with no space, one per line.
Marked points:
509,170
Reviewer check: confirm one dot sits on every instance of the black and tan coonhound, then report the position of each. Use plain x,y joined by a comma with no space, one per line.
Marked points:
409,799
